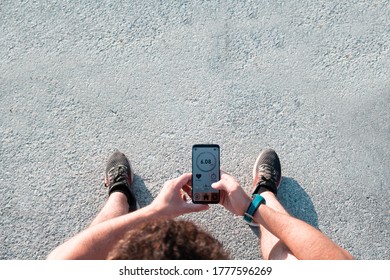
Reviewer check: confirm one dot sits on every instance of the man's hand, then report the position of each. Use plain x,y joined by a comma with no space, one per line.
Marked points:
233,197
97,241
172,202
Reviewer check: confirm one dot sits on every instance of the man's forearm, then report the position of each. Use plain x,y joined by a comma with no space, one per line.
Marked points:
97,241
303,240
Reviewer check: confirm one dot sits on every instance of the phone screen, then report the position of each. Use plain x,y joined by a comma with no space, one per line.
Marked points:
205,171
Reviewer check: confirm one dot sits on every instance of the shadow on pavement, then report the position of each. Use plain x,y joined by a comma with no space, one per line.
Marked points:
143,195
296,201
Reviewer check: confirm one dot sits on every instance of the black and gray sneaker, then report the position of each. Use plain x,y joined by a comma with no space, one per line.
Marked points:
119,177
267,172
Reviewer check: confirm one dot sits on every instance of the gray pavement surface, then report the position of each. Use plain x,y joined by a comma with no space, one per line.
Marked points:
310,79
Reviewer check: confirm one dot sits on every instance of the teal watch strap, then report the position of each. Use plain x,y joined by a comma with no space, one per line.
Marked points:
255,204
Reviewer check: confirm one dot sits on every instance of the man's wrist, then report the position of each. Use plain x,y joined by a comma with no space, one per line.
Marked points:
153,211
160,211
257,201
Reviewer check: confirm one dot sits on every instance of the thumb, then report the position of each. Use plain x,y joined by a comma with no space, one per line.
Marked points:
218,186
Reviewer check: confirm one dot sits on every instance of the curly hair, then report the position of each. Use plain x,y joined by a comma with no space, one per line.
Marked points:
168,240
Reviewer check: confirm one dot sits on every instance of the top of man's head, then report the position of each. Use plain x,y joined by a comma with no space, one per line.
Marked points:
168,240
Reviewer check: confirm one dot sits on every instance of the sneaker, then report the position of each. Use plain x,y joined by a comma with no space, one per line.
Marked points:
119,178
267,172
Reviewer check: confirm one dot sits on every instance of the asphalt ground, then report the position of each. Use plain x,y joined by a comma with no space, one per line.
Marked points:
79,79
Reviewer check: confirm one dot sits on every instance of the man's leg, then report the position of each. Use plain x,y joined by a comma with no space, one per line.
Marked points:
272,248
267,176
283,236
115,206
119,179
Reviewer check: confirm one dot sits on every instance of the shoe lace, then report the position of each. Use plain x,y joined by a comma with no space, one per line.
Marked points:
267,175
118,173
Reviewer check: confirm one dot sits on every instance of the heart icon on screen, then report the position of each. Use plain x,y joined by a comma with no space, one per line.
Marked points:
198,176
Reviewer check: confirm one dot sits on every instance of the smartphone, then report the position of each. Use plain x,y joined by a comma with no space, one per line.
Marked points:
205,171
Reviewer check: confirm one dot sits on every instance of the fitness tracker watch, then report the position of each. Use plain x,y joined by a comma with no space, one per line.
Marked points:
255,204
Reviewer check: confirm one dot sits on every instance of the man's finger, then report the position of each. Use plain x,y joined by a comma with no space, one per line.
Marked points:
187,189
182,180
183,195
218,185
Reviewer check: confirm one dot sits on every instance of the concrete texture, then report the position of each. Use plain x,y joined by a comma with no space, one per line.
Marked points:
80,78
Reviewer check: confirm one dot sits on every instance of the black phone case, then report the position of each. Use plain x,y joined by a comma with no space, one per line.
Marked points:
214,197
